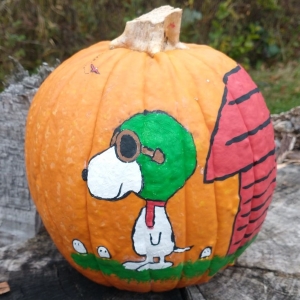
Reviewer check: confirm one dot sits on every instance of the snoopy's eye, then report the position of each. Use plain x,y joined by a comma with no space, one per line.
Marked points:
128,146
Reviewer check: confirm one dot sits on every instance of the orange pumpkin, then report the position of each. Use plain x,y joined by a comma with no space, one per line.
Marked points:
150,169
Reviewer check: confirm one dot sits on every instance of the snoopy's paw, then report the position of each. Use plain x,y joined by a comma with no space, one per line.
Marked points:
155,266
134,265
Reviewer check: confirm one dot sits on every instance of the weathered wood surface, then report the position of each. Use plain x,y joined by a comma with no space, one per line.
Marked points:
268,270
18,217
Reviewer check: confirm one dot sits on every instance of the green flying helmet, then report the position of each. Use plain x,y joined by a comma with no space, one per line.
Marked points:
172,143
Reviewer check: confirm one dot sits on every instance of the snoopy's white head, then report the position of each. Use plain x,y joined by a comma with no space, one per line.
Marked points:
150,154
114,173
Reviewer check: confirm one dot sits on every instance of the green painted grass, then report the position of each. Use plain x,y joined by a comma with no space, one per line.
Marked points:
279,86
187,269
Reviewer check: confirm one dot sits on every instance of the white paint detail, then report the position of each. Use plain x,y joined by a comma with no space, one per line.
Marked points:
154,242
180,250
206,252
142,234
79,247
110,178
103,252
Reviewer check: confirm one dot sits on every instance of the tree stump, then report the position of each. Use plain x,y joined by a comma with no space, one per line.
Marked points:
18,216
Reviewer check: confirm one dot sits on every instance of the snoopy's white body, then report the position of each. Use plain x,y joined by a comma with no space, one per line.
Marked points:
152,242
156,241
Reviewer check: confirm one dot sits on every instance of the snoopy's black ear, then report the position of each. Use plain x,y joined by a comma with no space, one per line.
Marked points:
84,174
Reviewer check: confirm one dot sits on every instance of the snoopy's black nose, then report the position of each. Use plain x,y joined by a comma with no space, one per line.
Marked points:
84,174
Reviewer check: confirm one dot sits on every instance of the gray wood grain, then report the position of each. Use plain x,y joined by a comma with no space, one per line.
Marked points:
18,217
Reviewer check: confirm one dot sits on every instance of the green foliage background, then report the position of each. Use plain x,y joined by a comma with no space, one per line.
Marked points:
253,32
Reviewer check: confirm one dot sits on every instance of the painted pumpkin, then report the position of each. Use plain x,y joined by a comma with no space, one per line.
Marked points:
150,169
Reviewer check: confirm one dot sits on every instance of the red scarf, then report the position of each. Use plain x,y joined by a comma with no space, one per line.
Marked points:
150,208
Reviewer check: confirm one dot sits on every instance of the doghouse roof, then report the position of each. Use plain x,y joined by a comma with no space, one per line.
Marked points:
243,134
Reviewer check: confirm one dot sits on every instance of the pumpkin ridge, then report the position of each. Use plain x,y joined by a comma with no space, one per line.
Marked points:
103,91
183,168
219,73
201,111
33,137
173,74
87,193
237,212
151,283
121,55
43,144
217,233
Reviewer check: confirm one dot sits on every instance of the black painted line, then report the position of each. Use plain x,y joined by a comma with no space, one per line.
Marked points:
214,133
242,227
258,180
249,234
236,215
245,169
238,242
159,237
253,221
263,158
246,202
257,208
235,70
216,128
246,235
243,136
258,196
244,97
246,214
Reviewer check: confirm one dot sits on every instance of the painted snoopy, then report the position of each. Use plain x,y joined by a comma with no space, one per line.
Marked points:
152,155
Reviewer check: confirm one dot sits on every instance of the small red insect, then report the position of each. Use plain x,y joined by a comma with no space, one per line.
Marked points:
94,69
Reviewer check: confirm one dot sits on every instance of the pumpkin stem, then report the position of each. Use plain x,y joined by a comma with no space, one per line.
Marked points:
153,32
